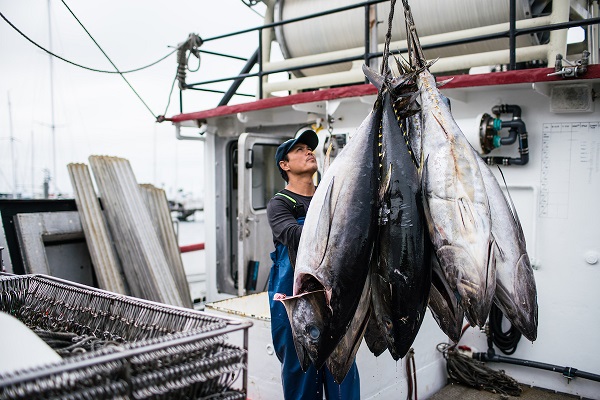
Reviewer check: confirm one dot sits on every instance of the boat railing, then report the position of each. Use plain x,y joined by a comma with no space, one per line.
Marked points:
556,23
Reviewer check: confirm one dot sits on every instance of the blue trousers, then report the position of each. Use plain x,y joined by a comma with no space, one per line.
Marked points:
299,385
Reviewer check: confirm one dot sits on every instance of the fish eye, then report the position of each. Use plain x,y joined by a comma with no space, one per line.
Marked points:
313,332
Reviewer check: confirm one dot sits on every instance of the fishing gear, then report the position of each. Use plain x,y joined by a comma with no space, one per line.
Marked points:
474,373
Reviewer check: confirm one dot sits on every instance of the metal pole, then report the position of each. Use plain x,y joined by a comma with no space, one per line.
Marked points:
593,35
52,125
512,39
367,35
373,63
32,167
245,373
180,101
12,149
260,64
236,83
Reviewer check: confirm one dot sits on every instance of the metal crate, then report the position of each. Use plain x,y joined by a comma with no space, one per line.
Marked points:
163,351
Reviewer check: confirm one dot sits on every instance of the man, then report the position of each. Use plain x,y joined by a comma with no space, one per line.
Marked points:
286,212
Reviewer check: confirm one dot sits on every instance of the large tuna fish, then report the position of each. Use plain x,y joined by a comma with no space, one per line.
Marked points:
455,199
516,294
336,245
402,275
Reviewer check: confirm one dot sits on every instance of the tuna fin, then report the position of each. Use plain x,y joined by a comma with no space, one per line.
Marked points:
442,83
498,252
426,211
327,161
324,223
374,77
402,65
339,366
513,209
422,160
466,211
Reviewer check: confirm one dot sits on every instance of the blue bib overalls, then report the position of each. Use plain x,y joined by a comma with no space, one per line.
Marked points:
299,385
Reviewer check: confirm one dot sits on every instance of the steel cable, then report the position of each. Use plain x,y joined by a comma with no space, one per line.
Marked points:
108,58
79,65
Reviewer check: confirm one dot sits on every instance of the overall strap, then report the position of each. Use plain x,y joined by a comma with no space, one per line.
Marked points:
297,207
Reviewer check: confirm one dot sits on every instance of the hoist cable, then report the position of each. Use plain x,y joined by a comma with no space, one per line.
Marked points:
161,117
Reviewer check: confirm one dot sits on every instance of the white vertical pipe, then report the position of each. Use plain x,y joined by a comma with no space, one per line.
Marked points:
373,63
558,38
593,35
267,40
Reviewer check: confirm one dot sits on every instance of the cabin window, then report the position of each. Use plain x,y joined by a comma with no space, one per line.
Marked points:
266,180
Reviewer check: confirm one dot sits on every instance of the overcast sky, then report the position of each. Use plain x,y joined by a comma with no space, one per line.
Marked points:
98,114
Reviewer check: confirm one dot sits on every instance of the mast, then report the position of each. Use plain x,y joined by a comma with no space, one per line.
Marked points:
32,166
12,149
52,124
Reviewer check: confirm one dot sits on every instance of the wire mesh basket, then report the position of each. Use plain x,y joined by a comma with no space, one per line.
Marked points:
156,351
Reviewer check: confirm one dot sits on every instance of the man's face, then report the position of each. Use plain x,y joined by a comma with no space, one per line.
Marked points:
301,159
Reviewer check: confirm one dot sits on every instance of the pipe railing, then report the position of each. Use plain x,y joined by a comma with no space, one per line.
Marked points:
191,247
292,65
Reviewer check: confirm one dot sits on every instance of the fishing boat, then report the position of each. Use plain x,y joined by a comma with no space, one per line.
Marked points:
523,95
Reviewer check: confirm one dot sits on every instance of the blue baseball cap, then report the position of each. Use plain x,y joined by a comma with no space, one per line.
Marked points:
308,137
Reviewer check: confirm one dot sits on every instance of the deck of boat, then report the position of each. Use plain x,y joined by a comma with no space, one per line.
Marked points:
461,392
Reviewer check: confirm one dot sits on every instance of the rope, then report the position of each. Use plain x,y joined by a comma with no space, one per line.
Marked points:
473,373
250,4
411,375
415,51
191,44
108,58
79,65
388,39
162,118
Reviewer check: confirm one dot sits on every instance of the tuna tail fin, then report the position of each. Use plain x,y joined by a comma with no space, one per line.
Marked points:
373,76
